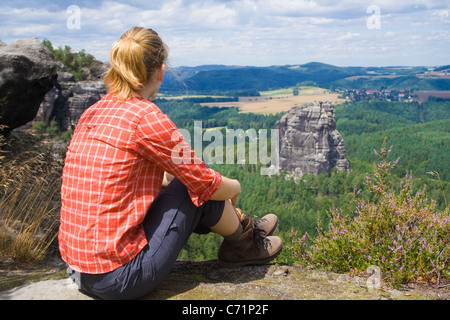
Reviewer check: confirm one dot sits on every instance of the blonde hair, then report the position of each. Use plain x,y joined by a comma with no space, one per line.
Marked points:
134,59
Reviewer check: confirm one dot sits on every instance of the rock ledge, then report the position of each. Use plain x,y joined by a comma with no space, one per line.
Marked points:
208,281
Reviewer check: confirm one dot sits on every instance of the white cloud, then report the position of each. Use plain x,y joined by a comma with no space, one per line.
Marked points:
390,34
347,36
246,32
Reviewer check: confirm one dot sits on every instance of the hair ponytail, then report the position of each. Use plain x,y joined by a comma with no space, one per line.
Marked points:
134,59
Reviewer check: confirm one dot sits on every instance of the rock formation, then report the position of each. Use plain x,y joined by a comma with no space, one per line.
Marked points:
309,141
68,99
27,73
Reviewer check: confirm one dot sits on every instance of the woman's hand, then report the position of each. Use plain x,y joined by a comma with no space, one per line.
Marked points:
234,200
167,179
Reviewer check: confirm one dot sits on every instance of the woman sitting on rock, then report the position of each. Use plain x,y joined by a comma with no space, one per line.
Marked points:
129,202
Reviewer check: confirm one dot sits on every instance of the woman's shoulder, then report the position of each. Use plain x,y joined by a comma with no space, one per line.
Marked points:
144,105
132,110
135,106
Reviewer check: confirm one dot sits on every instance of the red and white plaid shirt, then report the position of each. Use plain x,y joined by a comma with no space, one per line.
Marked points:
113,171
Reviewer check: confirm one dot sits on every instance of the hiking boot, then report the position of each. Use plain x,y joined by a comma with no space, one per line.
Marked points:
268,223
252,247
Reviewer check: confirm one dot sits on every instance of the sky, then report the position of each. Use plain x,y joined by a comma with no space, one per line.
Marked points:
246,32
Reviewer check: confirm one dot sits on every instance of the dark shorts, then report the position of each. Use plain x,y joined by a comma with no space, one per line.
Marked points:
169,223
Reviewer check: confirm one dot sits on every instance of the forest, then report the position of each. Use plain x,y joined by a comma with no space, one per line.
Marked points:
419,136
207,79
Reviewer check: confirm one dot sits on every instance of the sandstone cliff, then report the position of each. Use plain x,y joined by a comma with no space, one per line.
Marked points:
27,73
309,140
68,99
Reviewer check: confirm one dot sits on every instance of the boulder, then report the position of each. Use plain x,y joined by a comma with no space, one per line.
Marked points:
27,73
309,140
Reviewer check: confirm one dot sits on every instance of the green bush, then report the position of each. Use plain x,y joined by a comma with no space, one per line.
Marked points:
74,62
39,128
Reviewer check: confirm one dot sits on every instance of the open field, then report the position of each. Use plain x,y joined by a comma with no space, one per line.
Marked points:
187,96
276,103
422,96
302,90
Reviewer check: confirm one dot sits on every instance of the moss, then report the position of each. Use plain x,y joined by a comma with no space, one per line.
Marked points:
19,278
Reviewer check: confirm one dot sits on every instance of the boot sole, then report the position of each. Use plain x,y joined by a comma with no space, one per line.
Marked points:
240,263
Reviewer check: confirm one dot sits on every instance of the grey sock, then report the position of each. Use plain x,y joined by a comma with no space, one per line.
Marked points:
235,234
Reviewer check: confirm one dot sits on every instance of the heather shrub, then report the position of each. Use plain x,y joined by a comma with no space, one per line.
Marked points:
399,231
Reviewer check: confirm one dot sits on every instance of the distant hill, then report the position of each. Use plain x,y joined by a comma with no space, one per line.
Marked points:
221,78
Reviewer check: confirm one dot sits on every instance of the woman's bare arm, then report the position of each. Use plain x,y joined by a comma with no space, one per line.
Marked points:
229,189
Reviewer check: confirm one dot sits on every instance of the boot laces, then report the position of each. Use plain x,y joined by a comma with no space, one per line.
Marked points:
259,221
259,240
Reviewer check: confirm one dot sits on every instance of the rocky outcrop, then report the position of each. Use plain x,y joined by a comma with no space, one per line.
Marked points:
208,281
85,94
27,73
309,141
68,99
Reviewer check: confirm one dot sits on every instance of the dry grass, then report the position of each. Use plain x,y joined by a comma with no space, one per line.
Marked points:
29,198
